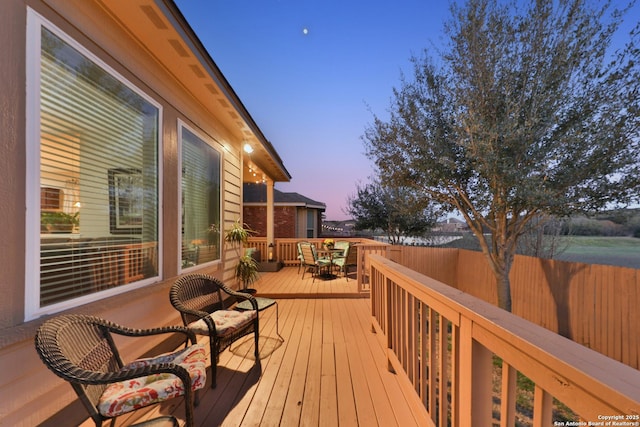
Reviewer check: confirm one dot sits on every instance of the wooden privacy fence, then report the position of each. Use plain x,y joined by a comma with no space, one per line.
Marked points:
594,305
443,343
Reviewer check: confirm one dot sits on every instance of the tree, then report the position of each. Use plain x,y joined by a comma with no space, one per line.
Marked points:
543,238
525,112
396,210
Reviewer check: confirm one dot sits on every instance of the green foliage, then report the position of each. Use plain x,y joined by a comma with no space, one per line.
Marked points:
582,226
247,270
59,218
238,233
398,211
524,112
611,223
58,221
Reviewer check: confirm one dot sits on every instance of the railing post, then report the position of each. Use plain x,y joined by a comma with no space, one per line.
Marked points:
359,264
542,407
389,320
508,396
474,382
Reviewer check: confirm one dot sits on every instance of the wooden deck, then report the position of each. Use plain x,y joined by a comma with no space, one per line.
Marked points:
288,283
329,369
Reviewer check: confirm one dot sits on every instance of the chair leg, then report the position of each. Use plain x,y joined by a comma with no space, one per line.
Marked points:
189,404
214,363
257,350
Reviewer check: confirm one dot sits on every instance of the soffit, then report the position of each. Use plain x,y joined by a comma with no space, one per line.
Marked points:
161,29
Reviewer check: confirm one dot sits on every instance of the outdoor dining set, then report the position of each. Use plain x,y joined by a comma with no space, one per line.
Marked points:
332,256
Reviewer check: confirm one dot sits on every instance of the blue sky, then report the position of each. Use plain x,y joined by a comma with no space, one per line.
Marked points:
313,92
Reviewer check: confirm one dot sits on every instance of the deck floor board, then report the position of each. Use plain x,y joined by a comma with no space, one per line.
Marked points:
330,370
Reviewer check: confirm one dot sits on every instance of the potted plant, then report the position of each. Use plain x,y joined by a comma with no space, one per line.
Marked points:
247,273
58,222
238,233
247,268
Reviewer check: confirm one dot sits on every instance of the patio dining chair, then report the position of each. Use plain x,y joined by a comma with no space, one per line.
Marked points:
348,259
204,304
81,350
300,257
310,260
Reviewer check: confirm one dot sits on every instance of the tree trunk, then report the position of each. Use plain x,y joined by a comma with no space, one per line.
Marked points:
500,253
500,257
503,288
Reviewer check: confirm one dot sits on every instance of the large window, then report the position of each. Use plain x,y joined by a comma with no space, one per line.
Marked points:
200,201
98,176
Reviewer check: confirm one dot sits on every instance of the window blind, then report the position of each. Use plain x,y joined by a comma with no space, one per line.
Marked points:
200,201
99,155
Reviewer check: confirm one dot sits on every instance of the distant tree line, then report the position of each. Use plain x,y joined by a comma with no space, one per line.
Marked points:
613,223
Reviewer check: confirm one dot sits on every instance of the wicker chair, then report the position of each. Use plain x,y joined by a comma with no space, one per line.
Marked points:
81,350
199,299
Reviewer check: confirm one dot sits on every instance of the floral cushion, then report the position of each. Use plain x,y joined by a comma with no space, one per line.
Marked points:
126,396
226,321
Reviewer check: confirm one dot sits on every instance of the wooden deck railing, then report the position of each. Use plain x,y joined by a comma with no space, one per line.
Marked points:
594,305
447,345
285,251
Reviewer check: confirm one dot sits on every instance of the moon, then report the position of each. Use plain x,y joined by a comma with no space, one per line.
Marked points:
305,31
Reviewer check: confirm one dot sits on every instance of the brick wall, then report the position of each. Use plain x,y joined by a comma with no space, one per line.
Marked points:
284,220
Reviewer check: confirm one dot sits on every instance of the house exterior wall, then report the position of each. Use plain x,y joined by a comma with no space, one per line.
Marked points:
309,222
284,220
301,227
52,401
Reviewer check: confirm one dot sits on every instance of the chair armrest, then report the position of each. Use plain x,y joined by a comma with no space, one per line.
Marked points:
197,313
84,376
132,332
242,295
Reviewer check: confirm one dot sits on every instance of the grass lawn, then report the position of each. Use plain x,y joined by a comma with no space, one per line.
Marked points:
621,251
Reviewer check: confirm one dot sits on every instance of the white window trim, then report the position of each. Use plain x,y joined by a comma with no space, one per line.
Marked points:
32,308
220,149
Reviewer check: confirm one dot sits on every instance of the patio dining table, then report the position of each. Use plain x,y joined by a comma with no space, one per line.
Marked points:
263,303
329,253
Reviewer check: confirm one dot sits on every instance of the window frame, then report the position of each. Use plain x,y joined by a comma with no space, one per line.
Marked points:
215,145
311,219
32,308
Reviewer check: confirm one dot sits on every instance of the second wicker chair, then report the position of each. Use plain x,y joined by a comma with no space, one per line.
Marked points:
204,304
